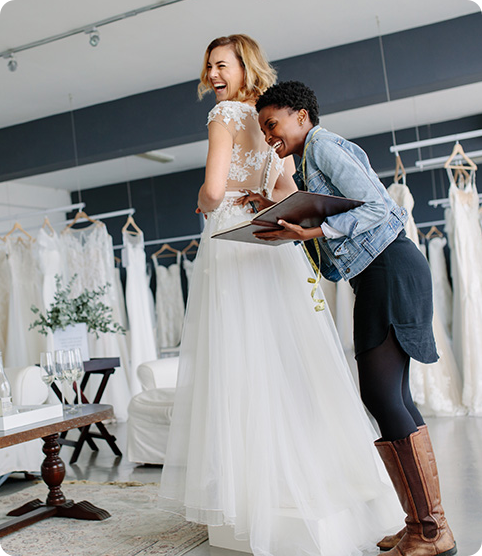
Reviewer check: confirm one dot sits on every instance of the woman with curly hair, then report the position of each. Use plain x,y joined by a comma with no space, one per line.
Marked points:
268,433
393,301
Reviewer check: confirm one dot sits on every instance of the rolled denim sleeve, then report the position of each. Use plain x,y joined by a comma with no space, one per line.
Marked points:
348,168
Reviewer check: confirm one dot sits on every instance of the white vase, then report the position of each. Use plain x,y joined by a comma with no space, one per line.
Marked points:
74,336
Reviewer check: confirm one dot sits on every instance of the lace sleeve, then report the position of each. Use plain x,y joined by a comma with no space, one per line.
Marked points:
230,115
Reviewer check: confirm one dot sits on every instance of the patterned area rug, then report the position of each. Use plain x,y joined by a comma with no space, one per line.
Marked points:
136,526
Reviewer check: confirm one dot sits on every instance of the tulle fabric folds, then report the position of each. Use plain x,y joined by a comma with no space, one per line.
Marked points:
268,432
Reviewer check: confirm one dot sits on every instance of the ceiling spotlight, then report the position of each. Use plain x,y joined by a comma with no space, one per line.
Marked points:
94,37
12,63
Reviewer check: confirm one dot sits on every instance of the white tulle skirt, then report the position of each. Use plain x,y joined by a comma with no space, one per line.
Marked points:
268,432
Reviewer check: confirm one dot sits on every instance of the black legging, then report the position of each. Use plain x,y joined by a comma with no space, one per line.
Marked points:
384,386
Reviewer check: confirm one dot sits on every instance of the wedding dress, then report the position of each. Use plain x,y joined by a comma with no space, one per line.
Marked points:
268,433
442,291
48,253
141,327
436,387
23,346
169,303
4,296
465,237
88,253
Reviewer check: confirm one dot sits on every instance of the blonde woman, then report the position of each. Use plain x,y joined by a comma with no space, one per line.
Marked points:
268,433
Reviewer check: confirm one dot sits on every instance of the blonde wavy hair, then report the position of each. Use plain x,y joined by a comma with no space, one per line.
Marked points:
259,75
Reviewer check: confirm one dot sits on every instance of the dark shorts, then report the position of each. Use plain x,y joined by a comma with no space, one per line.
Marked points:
395,290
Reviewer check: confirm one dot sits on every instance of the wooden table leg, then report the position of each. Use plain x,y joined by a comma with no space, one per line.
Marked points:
56,505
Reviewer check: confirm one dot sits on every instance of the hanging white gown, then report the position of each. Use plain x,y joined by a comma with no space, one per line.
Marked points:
23,346
141,327
47,250
268,432
436,387
188,267
442,291
465,237
4,296
169,303
88,253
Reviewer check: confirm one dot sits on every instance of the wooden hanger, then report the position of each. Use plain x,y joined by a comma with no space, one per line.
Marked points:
130,222
459,151
400,172
165,247
434,231
18,227
80,214
48,227
193,243
461,172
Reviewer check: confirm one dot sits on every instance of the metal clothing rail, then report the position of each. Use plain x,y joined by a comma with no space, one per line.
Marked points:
165,240
445,201
436,141
102,216
430,224
28,214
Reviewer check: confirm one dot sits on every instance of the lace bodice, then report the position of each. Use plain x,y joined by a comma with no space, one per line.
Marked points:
254,165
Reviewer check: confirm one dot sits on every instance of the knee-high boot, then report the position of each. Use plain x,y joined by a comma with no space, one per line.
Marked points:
410,462
390,541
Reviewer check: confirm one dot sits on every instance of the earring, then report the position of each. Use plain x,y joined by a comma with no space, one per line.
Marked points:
300,121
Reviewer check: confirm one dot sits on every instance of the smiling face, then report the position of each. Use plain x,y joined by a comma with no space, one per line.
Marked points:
284,129
225,73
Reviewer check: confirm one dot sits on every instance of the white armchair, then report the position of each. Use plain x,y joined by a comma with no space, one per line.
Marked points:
150,411
27,389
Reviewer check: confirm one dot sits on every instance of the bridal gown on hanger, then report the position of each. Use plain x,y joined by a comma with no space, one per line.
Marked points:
4,296
23,346
442,291
436,387
465,237
48,253
268,433
141,326
169,303
88,252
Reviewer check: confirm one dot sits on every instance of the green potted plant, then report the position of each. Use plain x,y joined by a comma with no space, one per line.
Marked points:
71,318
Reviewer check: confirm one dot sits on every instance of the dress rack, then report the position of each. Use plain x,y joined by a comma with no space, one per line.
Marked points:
176,239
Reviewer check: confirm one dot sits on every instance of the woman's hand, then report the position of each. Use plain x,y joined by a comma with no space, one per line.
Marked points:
259,200
290,231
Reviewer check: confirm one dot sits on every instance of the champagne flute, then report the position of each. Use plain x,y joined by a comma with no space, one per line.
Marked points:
47,366
59,372
69,371
79,372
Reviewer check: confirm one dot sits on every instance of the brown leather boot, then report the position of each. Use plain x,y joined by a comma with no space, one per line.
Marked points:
391,540
410,462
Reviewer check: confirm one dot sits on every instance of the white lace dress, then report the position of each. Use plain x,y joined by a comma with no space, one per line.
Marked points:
4,296
436,387
88,253
22,345
465,237
141,327
442,291
268,432
169,303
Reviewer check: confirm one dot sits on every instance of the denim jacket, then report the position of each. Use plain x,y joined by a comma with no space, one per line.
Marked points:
335,166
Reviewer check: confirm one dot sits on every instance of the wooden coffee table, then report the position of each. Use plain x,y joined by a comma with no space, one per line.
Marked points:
53,469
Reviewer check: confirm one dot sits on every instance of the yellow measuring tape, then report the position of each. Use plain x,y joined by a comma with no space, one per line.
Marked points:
319,303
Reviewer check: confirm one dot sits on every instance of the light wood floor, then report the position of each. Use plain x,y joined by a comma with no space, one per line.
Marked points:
457,443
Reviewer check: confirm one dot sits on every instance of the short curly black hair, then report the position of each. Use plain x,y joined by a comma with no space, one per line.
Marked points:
291,94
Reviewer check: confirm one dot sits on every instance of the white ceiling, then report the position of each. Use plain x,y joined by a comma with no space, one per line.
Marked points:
165,46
